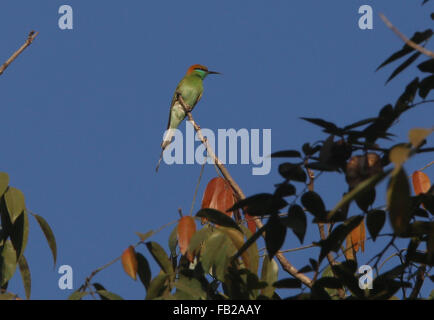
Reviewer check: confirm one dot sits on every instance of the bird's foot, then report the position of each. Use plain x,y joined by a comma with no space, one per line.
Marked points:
185,106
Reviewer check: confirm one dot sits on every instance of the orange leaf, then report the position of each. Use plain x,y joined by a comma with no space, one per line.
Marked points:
358,237
218,195
186,229
421,183
250,222
362,235
355,236
129,262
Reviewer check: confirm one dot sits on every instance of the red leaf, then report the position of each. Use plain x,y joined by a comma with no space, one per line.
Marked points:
421,183
218,195
186,229
250,223
129,262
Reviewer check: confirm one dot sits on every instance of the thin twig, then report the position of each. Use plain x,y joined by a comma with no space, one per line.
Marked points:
421,102
286,265
409,42
32,35
197,188
428,165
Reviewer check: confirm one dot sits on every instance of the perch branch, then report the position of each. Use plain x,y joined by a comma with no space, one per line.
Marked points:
30,38
286,265
405,39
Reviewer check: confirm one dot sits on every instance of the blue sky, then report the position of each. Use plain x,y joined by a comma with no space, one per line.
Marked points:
84,110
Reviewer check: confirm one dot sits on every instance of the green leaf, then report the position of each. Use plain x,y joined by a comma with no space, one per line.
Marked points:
143,270
252,252
157,286
222,258
218,218
426,85
313,263
192,287
306,269
404,65
20,233
407,97
326,151
286,154
260,204
296,220
269,275
418,37
327,273
25,275
427,66
345,273
309,151
399,202
329,282
291,171
375,222
314,204
15,204
49,235
198,239
173,241
8,296
328,126
274,236
99,286
359,123
365,199
211,248
284,190
362,187
108,295
338,235
289,283
251,240
4,182
160,256
8,262
78,295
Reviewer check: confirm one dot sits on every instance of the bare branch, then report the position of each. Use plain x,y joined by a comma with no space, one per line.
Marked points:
30,38
405,39
426,166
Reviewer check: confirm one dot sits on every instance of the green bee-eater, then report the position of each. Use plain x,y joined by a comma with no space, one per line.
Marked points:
191,89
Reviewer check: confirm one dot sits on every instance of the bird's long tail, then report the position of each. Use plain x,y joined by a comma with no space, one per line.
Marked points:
159,161
166,141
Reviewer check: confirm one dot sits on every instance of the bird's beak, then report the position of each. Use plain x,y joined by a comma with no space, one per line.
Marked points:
213,72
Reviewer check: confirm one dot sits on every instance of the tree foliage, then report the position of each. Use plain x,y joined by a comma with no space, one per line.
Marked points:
221,260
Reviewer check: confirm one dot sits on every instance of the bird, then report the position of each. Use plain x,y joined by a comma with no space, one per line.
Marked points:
190,88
